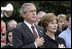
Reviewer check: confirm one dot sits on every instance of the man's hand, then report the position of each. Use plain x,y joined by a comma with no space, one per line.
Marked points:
39,41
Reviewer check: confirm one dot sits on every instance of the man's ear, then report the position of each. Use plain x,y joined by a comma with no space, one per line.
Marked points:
23,15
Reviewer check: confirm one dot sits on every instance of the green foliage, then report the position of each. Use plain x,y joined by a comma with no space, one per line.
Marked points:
57,7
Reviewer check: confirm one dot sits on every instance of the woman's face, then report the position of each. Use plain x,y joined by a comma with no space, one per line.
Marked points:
10,37
52,26
4,27
61,22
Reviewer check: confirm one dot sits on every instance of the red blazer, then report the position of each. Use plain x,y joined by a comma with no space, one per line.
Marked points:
1,29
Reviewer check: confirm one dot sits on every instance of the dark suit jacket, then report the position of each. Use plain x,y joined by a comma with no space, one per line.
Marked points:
50,43
23,37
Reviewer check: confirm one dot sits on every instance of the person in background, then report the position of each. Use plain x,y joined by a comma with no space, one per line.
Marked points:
11,25
3,33
3,41
49,22
3,26
66,35
9,41
39,16
64,27
61,20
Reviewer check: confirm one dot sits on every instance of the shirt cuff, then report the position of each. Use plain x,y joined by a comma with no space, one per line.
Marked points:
35,44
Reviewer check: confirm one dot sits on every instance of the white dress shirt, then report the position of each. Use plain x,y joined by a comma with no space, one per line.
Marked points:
29,25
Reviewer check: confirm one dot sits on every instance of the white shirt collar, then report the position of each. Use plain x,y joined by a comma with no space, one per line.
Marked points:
29,25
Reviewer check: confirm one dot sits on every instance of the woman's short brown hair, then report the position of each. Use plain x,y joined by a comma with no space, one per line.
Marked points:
46,19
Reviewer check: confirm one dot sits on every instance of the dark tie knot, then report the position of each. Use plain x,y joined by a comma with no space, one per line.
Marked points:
32,27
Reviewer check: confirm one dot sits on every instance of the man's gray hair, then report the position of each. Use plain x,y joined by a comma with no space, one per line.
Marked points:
23,7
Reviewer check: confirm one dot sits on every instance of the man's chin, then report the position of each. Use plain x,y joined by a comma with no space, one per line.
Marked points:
34,20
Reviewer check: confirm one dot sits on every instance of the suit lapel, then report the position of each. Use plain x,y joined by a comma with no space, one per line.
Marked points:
28,31
39,31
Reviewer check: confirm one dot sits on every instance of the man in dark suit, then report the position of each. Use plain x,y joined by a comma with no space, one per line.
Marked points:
27,35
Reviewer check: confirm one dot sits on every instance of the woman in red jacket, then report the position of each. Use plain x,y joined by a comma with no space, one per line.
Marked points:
1,29
3,42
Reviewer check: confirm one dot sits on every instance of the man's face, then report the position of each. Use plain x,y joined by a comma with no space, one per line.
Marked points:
40,15
12,24
30,14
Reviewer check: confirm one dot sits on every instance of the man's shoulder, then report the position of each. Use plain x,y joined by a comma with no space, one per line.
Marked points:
18,29
63,34
20,26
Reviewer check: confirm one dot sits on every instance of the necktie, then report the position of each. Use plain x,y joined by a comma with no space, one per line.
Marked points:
34,32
